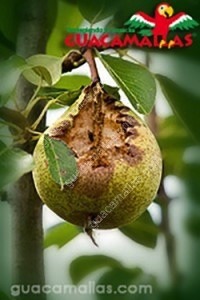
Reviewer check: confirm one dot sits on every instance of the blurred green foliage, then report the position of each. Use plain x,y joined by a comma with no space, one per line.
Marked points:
143,231
60,235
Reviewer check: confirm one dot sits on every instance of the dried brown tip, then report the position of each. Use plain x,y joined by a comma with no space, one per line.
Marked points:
88,229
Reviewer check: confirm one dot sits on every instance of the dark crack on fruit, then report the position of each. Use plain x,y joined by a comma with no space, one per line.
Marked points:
109,100
133,152
60,131
91,136
132,132
124,111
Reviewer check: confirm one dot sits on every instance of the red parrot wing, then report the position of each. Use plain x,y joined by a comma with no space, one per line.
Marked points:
141,20
182,21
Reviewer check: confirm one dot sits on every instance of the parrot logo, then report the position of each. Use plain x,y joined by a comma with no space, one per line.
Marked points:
163,22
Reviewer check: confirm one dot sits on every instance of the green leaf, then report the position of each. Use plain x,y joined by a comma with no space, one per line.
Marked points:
70,1
185,105
192,223
10,72
51,92
68,16
3,296
73,82
45,67
128,284
13,164
64,97
173,139
85,265
113,91
5,51
135,80
95,11
142,231
9,19
3,196
118,277
9,46
60,235
61,161
68,98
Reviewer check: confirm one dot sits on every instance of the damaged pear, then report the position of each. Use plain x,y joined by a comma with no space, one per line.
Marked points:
118,159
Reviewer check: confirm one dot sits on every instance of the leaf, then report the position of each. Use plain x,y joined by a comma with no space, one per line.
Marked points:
85,265
95,11
142,231
117,278
128,284
13,164
60,235
113,91
51,5
51,92
192,223
3,196
68,98
61,161
5,51
3,296
185,105
12,15
10,72
63,96
9,46
173,139
9,19
68,16
73,82
45,67
135,80
70,1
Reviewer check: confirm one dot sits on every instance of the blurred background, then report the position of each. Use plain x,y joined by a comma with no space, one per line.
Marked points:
162,248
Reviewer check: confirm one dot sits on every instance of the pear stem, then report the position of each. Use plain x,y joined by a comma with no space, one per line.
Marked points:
88,229
89,57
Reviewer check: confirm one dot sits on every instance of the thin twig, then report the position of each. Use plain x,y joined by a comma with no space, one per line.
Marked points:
33,132
39,119
32,104
37,90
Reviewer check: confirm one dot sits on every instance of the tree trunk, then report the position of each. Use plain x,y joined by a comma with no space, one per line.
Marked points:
27,232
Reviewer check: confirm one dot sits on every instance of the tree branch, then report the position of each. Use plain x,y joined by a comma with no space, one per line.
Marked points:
27,234
164,202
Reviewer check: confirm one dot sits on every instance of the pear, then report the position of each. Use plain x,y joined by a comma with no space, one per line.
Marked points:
118,158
